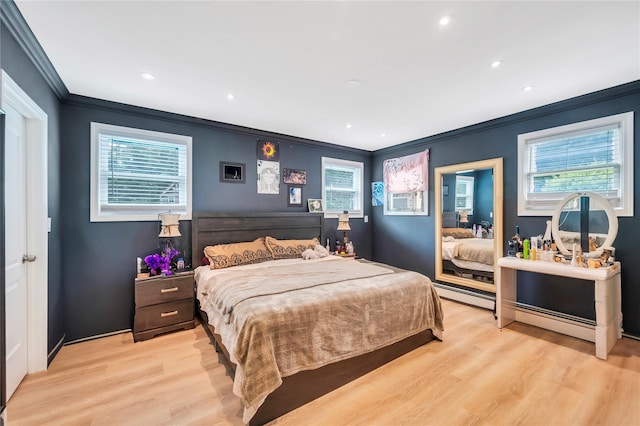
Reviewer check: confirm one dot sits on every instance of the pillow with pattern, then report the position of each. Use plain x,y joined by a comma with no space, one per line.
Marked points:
289,249
457,232
226,255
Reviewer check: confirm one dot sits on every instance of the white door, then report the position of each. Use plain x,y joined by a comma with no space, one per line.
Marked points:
15,247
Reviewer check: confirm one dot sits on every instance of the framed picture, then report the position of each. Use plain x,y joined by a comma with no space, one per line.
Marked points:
315,205
445,190
294,176
377,193
295,196
232,172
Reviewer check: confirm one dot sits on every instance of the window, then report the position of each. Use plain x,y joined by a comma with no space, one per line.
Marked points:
464,194
594,155
342,183
136,174
405,184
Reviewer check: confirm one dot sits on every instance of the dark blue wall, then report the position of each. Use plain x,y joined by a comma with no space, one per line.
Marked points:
92,265
99,262
24,73
409,241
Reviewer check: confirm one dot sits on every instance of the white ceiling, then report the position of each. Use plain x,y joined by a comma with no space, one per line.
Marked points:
289,63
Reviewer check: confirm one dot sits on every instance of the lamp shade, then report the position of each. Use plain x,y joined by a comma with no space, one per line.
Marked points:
169,223
343,222
463,217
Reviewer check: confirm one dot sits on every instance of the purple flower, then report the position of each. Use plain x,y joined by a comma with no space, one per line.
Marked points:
161,263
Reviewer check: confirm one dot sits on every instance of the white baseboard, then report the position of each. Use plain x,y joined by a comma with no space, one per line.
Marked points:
464,296
558,324
84,339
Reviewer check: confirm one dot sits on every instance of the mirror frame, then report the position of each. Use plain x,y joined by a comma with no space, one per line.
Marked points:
496,165
611,216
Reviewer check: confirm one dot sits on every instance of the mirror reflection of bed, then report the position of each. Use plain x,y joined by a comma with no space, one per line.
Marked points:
469,223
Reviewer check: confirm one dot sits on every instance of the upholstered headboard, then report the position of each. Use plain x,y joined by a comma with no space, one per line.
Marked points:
222,228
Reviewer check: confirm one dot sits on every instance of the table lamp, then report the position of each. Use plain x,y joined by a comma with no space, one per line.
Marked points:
343,225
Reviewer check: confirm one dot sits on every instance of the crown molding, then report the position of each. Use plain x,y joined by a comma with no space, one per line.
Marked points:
13,20
603,95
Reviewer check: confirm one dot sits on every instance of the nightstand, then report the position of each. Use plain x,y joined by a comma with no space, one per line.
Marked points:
348,255
163,304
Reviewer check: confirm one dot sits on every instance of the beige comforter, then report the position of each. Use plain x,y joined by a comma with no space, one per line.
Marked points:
277,319
475,250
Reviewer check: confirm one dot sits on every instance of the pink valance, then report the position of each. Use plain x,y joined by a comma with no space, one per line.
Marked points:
407,174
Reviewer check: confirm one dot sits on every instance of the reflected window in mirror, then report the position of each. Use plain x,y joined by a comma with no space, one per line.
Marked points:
464,194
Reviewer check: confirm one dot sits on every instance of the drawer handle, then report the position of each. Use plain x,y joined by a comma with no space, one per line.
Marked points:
168,314
168,290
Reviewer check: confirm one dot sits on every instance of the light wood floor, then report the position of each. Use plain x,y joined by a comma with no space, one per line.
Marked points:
477,375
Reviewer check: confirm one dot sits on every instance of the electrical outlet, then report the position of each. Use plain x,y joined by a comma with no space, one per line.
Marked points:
366,218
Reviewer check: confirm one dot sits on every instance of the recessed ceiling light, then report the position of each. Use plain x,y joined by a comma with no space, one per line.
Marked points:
147,76
383,135
445,20
527,88
495,64
349,126
231,96
353,83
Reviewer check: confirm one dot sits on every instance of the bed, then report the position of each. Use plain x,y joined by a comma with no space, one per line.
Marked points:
463,254
281,359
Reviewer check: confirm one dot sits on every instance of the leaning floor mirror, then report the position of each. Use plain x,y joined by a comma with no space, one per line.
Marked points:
468,223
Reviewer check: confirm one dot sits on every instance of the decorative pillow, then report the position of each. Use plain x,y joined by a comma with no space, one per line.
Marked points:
289,249
457,233
226,255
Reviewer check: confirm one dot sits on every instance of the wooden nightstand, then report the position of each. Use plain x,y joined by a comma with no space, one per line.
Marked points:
163,304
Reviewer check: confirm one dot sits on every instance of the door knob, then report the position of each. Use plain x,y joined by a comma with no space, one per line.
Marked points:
28,258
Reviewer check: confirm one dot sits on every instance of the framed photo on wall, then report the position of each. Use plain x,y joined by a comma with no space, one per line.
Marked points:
232,172
295,196
315,205
294,176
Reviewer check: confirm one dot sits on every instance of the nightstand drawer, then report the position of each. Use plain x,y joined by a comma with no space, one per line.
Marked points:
156,316
166,289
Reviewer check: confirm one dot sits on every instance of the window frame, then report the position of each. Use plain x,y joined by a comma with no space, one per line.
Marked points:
388,202
141,212
329,161
471,184
546,207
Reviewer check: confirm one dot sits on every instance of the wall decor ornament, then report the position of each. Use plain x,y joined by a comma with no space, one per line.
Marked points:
295,196
268,177
294,176
232,172
377,194
315,205
268,150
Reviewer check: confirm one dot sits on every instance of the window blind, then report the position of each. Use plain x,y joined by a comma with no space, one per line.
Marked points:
587,160
139,172
343,187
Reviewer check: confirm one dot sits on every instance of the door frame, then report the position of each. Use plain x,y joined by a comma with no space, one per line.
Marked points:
36,220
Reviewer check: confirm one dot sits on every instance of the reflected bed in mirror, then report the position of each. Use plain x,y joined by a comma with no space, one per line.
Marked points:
468,223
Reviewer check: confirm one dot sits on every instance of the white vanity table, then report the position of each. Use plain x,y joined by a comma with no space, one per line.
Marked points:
608,327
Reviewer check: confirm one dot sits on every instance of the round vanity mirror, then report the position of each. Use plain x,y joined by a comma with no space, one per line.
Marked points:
586,219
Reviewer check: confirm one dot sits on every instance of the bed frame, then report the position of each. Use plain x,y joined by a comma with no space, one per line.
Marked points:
303,387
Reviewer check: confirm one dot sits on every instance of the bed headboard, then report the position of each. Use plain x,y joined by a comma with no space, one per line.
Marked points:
210,228
450,219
